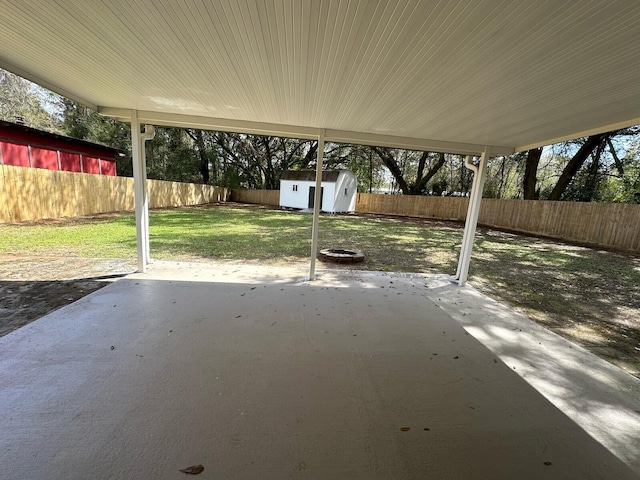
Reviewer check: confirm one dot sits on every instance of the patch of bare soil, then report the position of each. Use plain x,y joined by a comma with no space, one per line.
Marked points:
31,287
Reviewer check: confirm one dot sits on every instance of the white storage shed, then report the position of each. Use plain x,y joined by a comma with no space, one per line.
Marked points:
339,188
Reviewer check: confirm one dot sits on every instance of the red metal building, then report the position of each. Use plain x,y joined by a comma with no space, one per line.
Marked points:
29,147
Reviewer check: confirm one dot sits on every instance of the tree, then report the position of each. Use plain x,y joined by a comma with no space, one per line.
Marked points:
21,100
532,160
366,165
398,163
84,123
577,170
259,161
205,161
587,148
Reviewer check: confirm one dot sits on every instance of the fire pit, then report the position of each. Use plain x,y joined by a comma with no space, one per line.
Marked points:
340,255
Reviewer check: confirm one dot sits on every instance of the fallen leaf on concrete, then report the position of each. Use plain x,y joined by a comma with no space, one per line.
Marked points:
193,470
404,429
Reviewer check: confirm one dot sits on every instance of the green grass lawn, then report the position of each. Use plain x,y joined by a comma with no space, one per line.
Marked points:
241,234
589,295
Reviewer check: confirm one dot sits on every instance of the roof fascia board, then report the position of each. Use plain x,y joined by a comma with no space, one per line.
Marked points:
210,123
410,143
580,134
46,84
338,136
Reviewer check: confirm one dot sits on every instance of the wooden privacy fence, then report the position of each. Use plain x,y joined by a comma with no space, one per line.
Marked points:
442,208
262,197
28,194
607,224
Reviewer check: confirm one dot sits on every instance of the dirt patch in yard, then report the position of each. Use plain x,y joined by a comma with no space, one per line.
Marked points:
31,287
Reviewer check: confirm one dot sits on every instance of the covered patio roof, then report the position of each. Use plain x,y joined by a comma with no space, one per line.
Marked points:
451,76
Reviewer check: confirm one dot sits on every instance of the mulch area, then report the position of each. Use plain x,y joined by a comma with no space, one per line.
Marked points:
31,287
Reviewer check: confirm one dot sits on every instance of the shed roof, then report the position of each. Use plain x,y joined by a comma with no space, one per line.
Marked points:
18,132
310,175
449,76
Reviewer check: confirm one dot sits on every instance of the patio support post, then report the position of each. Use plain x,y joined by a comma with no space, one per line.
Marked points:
479,176
149,134
140,192
316,207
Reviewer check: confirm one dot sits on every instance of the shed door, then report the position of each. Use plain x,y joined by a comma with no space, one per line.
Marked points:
312,196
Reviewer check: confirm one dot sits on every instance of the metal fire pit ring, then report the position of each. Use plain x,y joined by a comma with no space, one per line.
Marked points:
341,255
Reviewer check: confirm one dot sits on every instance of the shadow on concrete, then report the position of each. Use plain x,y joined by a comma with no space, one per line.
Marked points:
256,373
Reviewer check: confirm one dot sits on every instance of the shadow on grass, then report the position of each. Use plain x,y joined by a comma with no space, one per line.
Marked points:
231,233
591,295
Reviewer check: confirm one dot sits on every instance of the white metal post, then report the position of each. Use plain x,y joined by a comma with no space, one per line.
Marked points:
468,163
149,133
480,174
139,181
316,207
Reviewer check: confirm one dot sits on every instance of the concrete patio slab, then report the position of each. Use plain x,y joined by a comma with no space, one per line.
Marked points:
255,373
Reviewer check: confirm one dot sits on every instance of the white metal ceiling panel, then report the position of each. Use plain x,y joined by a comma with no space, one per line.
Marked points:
511,73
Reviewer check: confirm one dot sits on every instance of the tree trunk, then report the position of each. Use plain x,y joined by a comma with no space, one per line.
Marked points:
530,174
393,167
422,182
310,156
197,137
574,165
616,159
370,171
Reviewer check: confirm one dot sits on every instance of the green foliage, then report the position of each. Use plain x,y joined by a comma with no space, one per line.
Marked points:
609,174
453,179
86,124
623,188
21,100
502,177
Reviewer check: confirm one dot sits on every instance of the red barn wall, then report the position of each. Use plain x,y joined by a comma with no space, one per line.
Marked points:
90,165
70,162
14,154
26,147
44,158
108,167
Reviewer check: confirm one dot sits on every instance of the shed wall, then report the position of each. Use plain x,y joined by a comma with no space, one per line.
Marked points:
328,197
345,192
291,198
333,198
